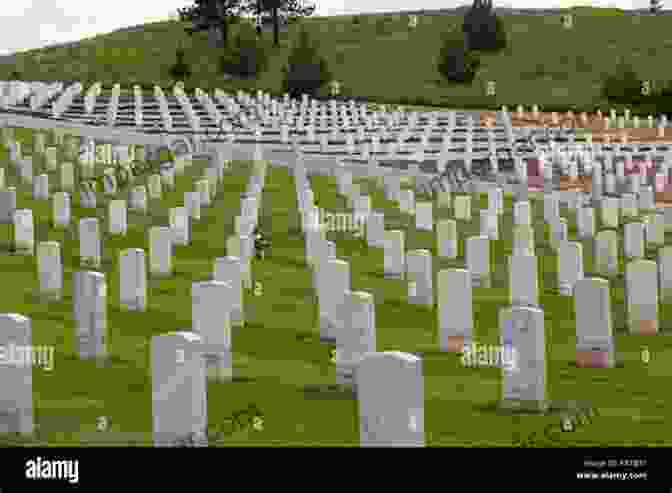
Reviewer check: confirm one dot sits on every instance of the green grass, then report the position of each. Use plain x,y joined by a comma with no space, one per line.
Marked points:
544,64
279,364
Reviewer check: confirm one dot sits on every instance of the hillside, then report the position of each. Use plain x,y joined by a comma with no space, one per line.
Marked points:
381,60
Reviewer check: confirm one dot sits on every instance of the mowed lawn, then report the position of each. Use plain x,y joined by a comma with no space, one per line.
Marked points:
381,60
281,367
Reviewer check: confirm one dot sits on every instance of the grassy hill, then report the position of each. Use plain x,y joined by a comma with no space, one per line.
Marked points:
379,59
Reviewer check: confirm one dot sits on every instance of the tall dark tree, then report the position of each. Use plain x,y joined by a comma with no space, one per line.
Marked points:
215,17
483,28
290,10
655,6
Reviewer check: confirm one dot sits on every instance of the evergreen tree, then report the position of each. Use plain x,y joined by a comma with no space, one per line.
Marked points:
306,71
215,17
655,6
456,62
483,29
289,10
248,57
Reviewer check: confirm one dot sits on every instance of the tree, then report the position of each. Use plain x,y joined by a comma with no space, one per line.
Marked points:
288,9
306,71
655,6
456,62
248,57
482,28
215,17
180,70
623,85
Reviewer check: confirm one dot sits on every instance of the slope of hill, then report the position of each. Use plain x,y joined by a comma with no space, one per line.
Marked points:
381,60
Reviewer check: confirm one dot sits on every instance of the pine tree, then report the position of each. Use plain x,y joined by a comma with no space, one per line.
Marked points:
482,28
215,17
456,62
290,10
306,71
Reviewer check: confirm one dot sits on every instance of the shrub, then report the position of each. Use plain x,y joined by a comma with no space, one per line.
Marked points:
456,62
622,86
180,70
306,70
484,31
248,55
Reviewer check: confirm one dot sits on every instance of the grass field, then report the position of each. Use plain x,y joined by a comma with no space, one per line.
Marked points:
380,60
279,364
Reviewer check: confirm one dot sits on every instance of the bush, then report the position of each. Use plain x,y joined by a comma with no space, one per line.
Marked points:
180,70
623,86
456,62
484,31
306,71
248,55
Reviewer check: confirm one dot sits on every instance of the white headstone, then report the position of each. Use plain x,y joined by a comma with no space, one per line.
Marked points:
641,284
391,414
394,263
524,383
16,376
594,332
228,270
50,269
456,316
179,389
477,254
161,251
212,303
133,279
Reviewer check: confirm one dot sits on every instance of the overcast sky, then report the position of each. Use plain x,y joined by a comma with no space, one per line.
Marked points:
29,24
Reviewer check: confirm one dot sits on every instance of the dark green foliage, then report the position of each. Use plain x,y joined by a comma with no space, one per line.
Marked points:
15,75
456,62
484,31
214,17
356,20
660,102
285,11
247,57
623,85
180,70
306,70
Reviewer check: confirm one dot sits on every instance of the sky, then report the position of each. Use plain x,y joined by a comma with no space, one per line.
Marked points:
29,24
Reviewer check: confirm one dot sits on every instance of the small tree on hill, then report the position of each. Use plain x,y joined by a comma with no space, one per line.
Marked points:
248,57
623,86
291,10
215,17
484,31
456,63
655,6
306,71
180,70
